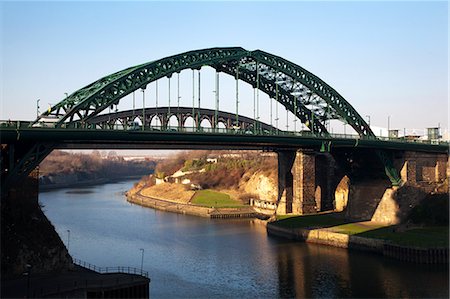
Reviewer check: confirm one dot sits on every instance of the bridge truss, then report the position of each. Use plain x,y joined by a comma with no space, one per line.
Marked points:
302,93
306,96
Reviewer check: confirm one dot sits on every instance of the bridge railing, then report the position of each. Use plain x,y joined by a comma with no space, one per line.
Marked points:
17,124
103,270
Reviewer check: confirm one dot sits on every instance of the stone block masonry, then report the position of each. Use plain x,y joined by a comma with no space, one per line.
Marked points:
305,182
385,248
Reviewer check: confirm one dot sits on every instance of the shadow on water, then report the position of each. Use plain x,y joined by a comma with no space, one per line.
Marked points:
310,270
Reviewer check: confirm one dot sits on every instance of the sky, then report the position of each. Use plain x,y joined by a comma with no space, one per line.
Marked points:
387,59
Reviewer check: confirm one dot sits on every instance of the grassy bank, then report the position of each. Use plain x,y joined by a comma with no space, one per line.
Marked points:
310,221
426,236
210,198
434,236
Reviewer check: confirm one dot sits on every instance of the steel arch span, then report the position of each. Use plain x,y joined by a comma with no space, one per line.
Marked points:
305,95
182,114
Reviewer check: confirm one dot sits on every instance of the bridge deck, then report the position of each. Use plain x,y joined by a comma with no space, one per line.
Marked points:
172,139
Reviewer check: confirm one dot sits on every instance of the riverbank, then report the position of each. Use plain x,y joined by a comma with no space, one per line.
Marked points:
367,236
86,183
188,208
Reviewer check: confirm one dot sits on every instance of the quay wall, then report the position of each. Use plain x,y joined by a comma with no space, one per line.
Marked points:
385,248
169,206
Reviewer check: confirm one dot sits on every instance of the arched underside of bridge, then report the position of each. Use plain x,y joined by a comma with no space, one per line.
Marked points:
305,95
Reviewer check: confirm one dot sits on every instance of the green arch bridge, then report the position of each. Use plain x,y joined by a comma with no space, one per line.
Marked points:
81,120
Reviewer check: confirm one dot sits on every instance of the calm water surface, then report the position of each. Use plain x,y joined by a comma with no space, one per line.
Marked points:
188,256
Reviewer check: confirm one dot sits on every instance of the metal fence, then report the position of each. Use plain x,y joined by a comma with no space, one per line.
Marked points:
104,270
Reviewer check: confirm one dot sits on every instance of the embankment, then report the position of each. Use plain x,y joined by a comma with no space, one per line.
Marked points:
379,246
84,183
189,209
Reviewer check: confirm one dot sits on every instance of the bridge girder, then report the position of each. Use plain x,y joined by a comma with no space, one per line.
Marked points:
314,101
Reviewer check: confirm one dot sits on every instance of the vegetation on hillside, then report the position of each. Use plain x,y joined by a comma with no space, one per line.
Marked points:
227,170
94,165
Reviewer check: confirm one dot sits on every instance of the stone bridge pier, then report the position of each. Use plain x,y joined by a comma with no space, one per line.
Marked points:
356,184
423,170
305,182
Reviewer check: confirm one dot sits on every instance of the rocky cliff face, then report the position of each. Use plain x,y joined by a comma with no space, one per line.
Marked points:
260,184
27,236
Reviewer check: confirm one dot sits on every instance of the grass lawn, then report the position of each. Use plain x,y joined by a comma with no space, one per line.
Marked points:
433,236
355,228
210,198
310,221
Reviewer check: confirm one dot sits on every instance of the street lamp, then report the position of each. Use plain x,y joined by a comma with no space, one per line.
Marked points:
368,118
142,258
68,240
389,123
28,274
37,107
143,107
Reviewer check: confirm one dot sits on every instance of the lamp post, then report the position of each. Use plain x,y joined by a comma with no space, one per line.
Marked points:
28,273
37,107
68,240
142,258
143,107
389,123
368,119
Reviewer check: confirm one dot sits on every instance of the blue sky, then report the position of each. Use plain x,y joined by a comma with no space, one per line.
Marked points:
385,58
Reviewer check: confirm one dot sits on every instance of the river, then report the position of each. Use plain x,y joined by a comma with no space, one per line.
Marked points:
193,257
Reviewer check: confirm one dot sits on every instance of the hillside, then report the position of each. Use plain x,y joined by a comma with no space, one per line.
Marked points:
241,174
65,168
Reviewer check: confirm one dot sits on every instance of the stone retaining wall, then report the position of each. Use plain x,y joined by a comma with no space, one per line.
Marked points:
322,236
416,255
169,206
188,209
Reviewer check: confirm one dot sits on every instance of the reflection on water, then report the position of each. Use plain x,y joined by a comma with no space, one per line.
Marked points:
188,256
79,191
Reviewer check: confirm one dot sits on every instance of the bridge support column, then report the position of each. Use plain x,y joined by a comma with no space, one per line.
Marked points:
408,172
423,167
297,192
304,173
285,181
